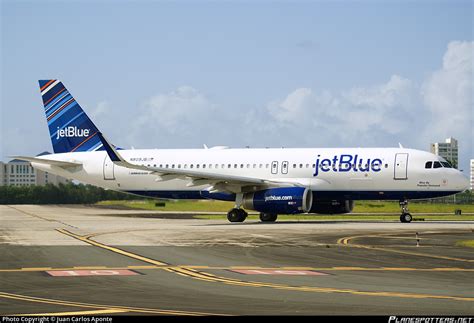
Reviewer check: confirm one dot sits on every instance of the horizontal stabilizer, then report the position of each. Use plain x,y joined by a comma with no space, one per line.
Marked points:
58,163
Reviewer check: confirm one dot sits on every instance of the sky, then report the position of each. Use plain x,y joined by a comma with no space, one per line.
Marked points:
156,74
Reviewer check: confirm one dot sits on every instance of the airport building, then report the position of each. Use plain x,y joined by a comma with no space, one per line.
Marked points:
21,173
448,150
472,174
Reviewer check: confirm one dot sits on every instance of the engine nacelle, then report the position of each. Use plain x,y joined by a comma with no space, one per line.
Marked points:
332,206
282,200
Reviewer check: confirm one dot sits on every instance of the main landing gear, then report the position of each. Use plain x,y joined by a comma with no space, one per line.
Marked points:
239,215
236,215
268,217
405,217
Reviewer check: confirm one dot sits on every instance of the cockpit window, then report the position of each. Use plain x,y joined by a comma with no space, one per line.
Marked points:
428,164
446,164
437,164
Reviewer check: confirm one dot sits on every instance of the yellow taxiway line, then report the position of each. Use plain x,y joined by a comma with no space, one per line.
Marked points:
204,276
41,269
97,307
346,242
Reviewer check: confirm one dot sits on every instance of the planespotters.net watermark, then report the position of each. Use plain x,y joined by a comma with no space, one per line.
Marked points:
447,319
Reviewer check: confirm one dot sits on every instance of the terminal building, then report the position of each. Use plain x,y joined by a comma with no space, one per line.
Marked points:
472,174
448,150
21,173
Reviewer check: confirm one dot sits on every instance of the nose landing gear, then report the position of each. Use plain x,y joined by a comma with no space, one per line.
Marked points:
405,217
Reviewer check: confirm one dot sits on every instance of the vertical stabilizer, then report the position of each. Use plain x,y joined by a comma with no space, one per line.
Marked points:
70,128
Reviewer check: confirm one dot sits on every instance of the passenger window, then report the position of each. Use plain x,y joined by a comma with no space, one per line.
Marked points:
437,164
428,164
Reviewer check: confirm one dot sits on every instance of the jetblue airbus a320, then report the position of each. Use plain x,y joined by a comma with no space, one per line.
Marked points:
270,181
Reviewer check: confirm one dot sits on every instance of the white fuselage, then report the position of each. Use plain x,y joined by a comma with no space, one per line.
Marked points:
332,173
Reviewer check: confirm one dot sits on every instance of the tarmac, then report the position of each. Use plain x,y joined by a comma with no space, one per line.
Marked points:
77,260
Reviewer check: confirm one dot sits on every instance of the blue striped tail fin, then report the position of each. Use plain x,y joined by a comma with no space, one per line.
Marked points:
70,128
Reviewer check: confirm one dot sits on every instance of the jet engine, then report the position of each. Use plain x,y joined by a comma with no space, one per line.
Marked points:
332,206
282,200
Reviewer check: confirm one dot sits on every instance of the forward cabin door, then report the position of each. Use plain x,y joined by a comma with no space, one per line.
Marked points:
108,169
401,166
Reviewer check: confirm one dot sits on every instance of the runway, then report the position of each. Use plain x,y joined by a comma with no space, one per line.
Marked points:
57,260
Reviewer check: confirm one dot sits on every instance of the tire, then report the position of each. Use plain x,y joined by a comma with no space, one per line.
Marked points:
268,217
406,218
236,215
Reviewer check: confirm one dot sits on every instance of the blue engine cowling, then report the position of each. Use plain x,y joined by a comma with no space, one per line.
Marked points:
282,200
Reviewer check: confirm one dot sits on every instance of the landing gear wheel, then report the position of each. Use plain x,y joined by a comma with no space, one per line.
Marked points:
406,218
268,217
236,215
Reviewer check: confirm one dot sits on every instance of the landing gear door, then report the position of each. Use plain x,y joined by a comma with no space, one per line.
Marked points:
108,169
401,166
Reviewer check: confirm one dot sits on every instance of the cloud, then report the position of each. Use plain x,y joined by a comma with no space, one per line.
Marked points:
384,114
448,96
101,110
179,114
349,116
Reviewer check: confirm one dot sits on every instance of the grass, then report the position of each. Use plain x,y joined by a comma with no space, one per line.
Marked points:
174,205
465,243
368,208
415,207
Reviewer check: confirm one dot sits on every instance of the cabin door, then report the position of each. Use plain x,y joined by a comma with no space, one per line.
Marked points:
108,169
401,166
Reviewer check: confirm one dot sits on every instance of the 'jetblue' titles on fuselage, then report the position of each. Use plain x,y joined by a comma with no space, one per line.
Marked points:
346,163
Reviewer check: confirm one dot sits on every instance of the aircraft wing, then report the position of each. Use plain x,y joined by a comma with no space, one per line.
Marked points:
220,182
62,164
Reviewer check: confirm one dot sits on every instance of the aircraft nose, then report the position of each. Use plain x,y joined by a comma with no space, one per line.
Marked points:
462,182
